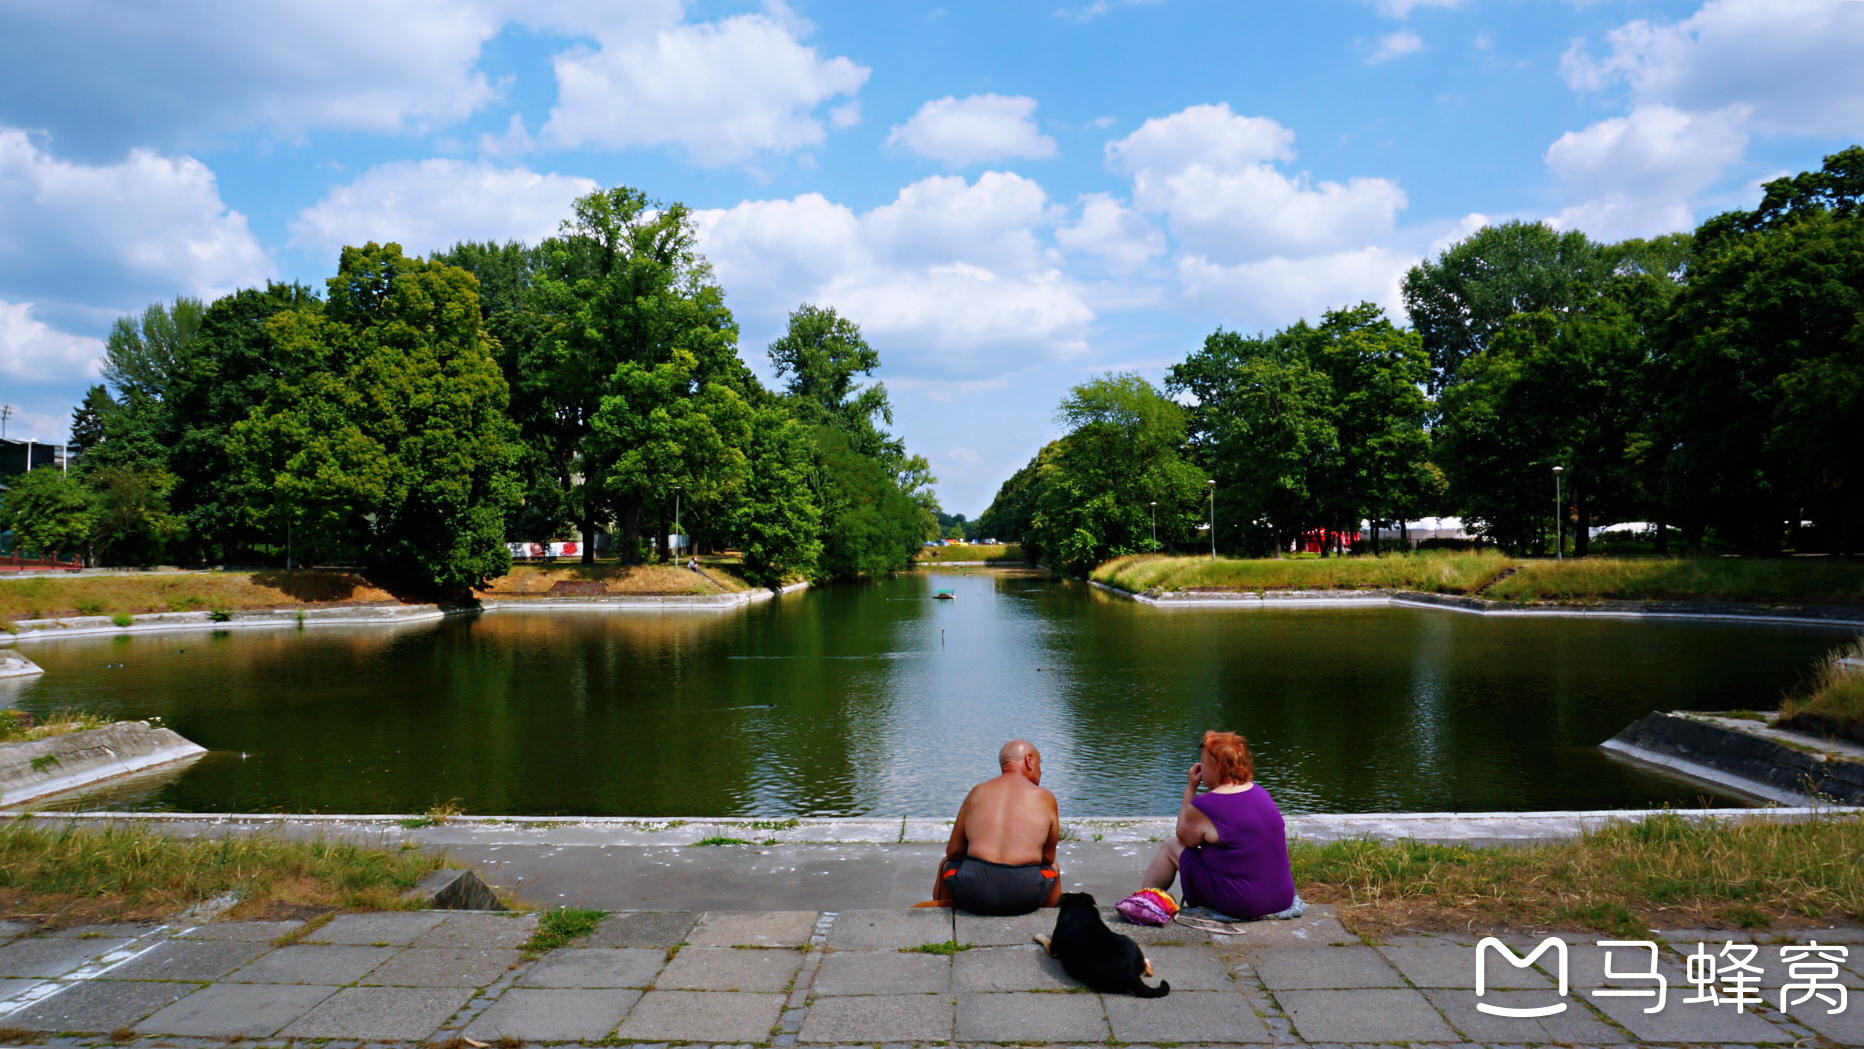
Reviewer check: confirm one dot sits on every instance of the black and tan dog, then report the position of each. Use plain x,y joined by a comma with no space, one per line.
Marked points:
1096,955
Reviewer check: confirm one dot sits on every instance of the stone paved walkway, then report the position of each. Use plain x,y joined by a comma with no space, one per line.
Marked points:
821,978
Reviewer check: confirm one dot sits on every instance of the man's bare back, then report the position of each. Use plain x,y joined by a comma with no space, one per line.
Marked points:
1010,821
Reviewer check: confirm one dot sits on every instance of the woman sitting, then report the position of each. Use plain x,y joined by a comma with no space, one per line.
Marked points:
1231,848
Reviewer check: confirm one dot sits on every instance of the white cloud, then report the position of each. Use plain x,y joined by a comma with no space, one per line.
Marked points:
1633,176
1792,63
1276,292
1205,169
1403,8
429,205
948,280
1114,232
724,92
104,76
1392,45
115,236
963,131
32,351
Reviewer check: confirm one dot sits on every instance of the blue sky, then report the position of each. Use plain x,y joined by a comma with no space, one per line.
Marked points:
1008,197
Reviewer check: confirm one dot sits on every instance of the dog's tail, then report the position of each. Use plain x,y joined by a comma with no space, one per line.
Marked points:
1140,990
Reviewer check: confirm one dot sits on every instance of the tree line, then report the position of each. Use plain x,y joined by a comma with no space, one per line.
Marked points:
421,413
1709,383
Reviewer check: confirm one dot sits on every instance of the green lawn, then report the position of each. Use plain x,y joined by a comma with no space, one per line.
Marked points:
1432,571
1818,581
934,555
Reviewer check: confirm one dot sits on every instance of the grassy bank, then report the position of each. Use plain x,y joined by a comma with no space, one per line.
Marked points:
933,555
43,597
1814,581
1434,572
17,726
67,876
644,580
1662,872
1834,704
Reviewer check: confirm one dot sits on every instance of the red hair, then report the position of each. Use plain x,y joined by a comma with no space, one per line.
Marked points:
1229,757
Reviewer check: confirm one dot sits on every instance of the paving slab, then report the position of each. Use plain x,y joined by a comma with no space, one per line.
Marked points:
1025,1017
890,929
394,928
256,932
9,988
480,930
702,1016
106,931
98,1006
642,929
1187,1016
1585,966
51,956
882,972
190,960
986,931
1456,967
250,1010
330,964
1364,1015
1576,1025
879,1018
1322,968
443,967
730,969
1317,927
752,929
8,930
1847,1028
552,1015
1026,968
1689,1023
1189,969
380,1013
571,967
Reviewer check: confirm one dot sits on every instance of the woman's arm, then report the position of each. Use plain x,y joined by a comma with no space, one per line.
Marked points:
1194,828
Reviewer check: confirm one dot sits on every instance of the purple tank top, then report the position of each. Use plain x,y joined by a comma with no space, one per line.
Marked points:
1246,874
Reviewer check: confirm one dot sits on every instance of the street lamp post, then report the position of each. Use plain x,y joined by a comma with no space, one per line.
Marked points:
1155,527
1213,519
1559,517
676,513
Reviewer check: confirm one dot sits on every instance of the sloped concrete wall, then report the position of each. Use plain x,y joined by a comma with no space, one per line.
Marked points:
41,767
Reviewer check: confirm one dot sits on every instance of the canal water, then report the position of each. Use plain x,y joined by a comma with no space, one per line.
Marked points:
877,699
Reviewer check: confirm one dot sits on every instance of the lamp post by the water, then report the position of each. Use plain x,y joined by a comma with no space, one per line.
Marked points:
1155,527
1213,519
1559,517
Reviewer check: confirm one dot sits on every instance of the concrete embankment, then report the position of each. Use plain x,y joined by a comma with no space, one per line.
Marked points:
14,665
40,768
1747,757
1819,615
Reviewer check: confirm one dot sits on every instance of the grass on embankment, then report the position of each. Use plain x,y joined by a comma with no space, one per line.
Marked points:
933,555
1430,571
1624,879
17,726
537,580
76,876
1813,581
50,597
1834,704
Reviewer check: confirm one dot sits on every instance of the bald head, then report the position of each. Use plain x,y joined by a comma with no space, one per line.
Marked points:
1015,753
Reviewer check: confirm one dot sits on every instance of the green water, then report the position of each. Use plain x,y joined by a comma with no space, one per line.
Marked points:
875,699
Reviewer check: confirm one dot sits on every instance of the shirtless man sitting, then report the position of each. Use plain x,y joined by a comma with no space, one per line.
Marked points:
1001,857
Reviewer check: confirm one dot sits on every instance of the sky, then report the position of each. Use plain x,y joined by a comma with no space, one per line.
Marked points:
1009,197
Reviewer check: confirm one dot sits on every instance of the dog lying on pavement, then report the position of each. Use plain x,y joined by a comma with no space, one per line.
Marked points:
1096,955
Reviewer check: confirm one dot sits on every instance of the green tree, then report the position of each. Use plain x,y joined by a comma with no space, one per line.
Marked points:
384,439
1120,455
130,522
140,353
1011,513
1458,301
87,419
779,524
48,511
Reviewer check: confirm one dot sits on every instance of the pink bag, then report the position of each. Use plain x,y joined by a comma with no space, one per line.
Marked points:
1148,907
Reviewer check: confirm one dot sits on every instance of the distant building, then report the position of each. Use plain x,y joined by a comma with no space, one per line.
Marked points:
1415,532
17,457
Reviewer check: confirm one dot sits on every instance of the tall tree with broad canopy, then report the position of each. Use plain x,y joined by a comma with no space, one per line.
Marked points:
1121,454
385,439
48,511
1459,300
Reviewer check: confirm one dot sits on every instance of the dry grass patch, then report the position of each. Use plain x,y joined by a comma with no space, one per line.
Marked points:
1430,571
541,580
48,597
1624,879
1822,581
17,726
932,555
1834,705
71,875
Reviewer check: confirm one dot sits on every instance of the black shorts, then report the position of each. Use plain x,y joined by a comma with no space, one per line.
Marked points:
982,887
